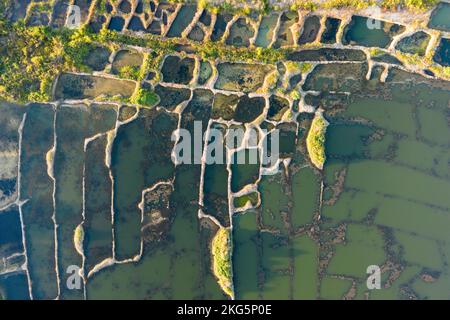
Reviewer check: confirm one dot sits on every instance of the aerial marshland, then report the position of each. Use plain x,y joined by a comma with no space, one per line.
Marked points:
86,171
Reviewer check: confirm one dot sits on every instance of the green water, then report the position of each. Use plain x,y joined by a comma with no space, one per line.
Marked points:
273,202
334,288
245,169
439,18
97,210
266,30
73,124
285,36
381,199
276,262
216,192
394,199
306,196
305,280
361,32
136,167
14,287
182,20
177,266
240,33
246,262
37,213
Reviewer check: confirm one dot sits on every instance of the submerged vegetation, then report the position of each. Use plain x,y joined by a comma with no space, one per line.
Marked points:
221,248
315,141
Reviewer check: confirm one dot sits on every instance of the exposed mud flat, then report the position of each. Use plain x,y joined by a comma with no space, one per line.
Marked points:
241,77
78,87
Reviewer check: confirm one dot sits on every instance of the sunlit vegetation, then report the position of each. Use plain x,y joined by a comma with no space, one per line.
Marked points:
315,142
420,4
305,67
414,60
221,247
270,82
145,97
129,72
40,7
242,201
225,6
355,4
3,6
375,52
213,50
410,4
442,72
30,59
391,4
101,6
304,5
78,238
298,67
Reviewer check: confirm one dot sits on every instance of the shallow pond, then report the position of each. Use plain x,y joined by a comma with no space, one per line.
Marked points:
331,29
266,30
442,55
240,33
440,17
311,27
370,32
182,20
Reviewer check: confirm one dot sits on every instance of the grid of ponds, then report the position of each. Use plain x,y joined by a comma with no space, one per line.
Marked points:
298,232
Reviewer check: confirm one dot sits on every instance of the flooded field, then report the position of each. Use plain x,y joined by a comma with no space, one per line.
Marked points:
95,202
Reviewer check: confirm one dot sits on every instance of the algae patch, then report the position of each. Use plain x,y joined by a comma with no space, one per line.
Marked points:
221,248
315,142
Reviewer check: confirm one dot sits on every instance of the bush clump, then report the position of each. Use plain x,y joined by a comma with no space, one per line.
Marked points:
145,97
78,239
315,141
222,266
130,72
419,5
30,59
355,4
